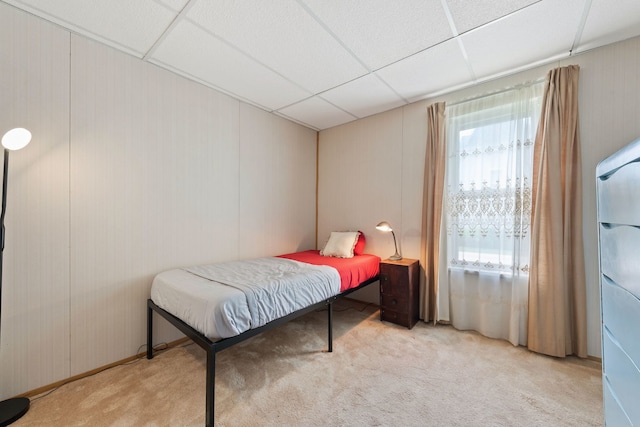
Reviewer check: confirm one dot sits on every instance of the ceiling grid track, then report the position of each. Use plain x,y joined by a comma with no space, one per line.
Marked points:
169,28
456,36
583,21
332,34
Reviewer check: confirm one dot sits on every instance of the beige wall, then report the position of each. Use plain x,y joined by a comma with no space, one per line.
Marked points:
132,170
379,161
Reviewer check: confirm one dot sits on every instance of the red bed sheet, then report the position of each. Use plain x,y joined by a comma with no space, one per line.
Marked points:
353,271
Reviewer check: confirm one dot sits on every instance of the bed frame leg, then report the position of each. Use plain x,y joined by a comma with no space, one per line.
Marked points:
149,332
211,385
330,323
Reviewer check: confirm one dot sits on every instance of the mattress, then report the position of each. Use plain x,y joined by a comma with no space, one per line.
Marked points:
225,299
353,271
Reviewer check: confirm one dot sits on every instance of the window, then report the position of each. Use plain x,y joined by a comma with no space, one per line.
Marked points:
488,183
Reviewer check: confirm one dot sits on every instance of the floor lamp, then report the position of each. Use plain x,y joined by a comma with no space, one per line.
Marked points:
15,139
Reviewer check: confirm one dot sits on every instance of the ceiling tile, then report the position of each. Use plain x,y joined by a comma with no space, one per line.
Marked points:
364,96
193,52
317,113
282,36
442,66
380,32
540,32
131,26
175,5
606,24
471,14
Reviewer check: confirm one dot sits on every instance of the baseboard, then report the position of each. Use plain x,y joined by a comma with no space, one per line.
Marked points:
52,386
595,359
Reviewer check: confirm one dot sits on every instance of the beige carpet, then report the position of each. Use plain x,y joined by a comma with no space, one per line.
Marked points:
379,374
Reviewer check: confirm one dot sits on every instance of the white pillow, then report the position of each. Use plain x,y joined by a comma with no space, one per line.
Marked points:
340,244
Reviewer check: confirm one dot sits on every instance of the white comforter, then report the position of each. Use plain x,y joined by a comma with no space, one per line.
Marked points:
223,300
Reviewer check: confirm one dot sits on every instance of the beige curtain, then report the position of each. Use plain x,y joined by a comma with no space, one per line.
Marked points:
432,210
557,290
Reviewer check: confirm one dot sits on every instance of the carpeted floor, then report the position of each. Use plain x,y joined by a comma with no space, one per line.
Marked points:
379,374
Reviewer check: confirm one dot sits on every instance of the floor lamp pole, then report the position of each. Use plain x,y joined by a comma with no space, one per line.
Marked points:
10,409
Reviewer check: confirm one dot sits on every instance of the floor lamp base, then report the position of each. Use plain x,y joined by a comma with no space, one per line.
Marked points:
12,409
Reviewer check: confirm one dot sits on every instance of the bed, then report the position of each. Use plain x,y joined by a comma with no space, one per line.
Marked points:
219,305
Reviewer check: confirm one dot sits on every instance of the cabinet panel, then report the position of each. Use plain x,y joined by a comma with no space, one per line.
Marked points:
616,417
620,246
618,198
620,311
623,376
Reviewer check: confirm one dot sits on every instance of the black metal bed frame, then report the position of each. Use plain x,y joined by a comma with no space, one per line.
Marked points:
212,347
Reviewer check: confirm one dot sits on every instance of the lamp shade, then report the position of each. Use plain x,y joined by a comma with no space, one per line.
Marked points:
384,226
15,139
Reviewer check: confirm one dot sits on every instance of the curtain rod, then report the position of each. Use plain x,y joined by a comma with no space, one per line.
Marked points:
527,84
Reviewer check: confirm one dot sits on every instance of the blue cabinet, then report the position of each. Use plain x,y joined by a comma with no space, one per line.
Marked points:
618,188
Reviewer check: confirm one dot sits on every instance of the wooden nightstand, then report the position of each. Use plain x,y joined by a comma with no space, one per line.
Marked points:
399,291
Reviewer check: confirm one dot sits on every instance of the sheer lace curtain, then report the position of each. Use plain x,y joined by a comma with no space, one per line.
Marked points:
487,212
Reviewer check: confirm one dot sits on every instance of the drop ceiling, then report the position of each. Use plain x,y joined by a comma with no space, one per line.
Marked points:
323,63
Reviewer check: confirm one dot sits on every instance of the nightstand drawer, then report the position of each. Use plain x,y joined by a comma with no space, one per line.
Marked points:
393,281
396,317
395,302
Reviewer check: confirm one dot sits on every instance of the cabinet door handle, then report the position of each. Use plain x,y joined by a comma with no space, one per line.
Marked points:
394,302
